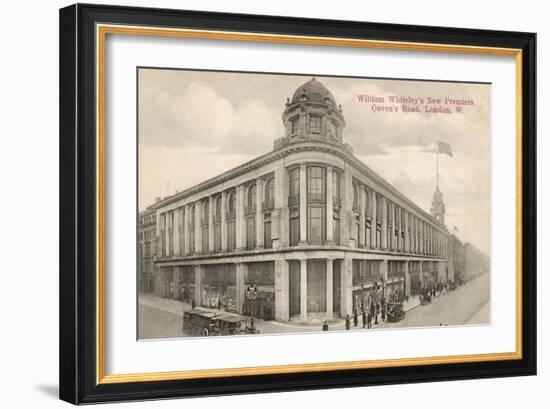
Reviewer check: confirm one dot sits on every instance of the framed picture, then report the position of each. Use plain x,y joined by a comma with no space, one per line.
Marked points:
257,203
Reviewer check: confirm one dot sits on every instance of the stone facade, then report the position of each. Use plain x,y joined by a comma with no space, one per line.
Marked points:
304,230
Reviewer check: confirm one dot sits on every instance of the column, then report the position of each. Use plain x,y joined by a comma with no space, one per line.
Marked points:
329,289
198,228
407,280
259,214
441,272
384,235
362,221
303,205
198,284
384,270
329,224
279,216
167,238
303,290
374,222
240,274
176,232
391,219
186,230
211,224
346,209
240,225
346,282
224,221
176,281
281,291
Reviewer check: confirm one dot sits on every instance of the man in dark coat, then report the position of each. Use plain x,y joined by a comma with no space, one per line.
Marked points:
348,322
325,326
369,320
193,303
364,317
355,318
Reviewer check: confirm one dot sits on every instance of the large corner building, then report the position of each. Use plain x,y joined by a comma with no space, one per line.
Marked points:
304,231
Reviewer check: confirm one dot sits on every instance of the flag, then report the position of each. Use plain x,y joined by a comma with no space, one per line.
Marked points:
445,148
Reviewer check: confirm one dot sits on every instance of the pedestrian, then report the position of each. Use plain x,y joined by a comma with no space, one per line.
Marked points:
376,312
348,322
325,326
355,318
369,320
383,312
193,303
364,319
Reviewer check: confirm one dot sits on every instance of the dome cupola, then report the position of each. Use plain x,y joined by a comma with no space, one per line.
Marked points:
313,114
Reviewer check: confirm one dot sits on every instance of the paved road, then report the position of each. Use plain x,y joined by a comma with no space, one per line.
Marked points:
468,304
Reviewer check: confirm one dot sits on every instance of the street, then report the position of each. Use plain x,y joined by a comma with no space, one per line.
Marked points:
468,304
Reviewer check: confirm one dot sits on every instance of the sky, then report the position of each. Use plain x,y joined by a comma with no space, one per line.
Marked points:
194,125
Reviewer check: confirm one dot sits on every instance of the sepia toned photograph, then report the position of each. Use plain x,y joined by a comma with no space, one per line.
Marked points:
282,203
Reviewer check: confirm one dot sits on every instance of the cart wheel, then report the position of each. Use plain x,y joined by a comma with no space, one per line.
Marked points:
204,332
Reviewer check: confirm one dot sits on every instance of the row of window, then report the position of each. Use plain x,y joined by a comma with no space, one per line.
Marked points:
167,222
403,231
147,219
314,124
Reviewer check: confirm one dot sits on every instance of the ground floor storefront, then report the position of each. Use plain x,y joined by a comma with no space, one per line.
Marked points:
297,286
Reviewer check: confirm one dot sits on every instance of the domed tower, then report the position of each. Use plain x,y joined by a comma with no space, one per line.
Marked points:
438,206
313,114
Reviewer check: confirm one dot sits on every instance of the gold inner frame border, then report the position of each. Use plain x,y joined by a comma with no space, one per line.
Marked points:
102,30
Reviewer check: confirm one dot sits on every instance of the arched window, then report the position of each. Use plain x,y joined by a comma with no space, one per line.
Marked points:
218,208
231,214
251,201
355,197
269,198
217,224
231,206
251,218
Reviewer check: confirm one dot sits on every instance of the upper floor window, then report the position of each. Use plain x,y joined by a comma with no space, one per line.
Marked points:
315,123
251,200
294,184
192,218
231,206
355,197
378,207
218,209
269,198
205,212
336,188
316,183
331,127
294,125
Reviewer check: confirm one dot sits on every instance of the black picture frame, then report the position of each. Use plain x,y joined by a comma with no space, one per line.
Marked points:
78,318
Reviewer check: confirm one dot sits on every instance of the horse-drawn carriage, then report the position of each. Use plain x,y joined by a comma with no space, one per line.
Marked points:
395,312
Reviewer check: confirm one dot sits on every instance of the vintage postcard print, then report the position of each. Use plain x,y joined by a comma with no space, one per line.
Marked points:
274,203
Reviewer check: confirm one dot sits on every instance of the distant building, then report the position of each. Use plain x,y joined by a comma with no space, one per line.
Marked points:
147,232
306,230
